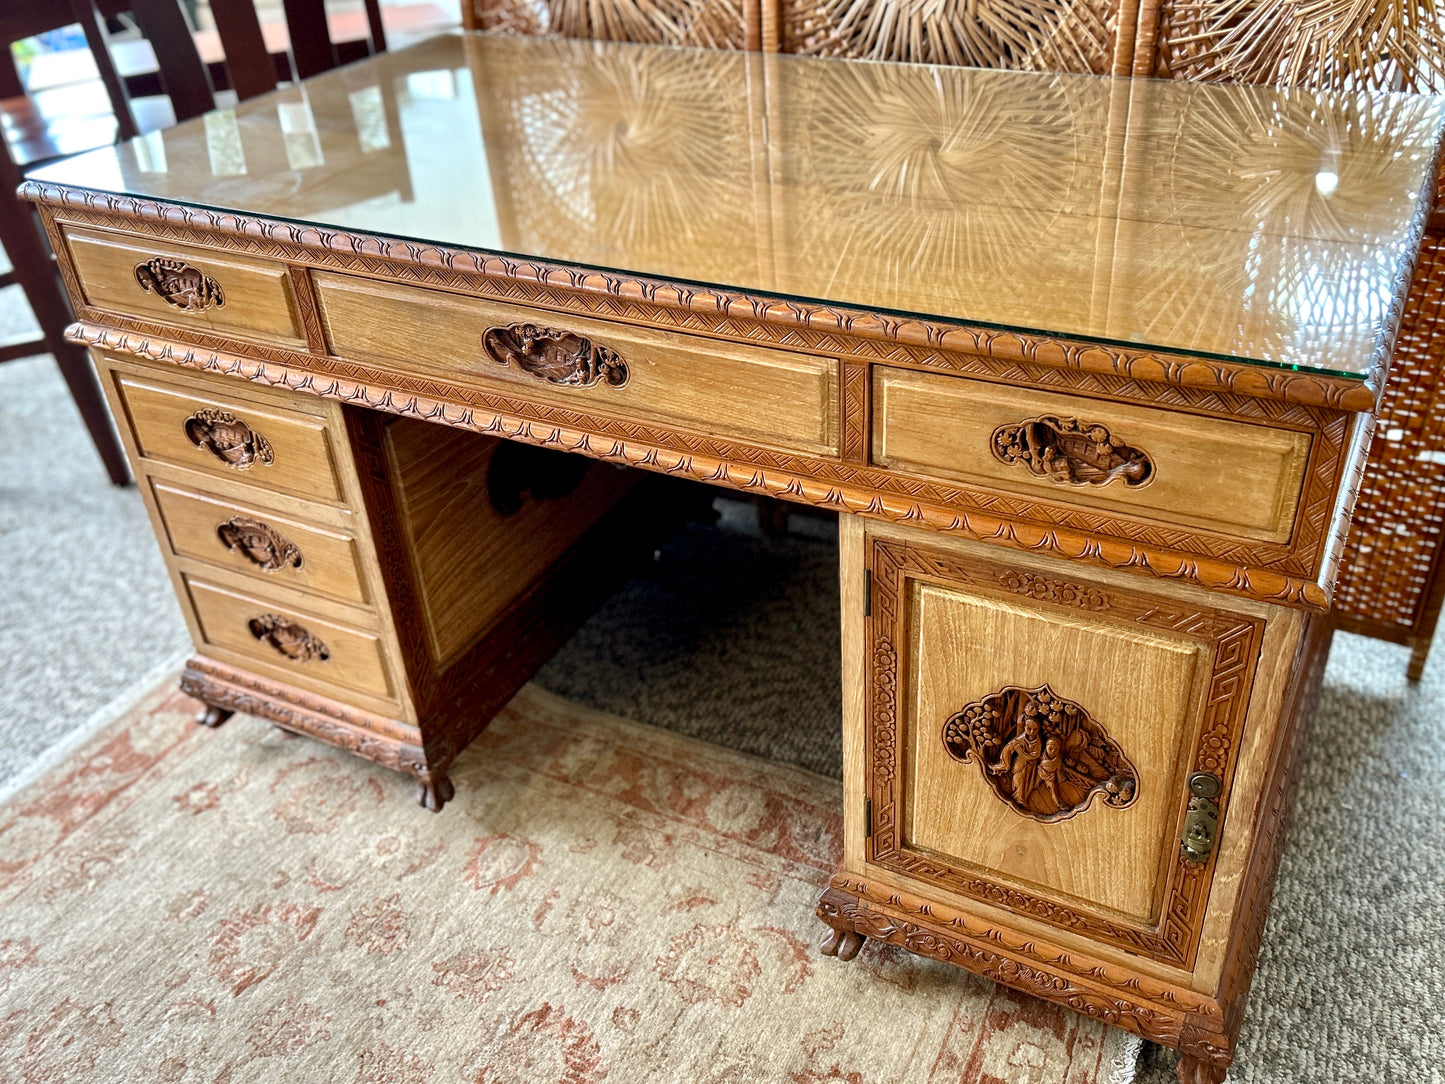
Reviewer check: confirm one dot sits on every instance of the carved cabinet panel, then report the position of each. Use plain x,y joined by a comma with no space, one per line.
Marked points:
1030,741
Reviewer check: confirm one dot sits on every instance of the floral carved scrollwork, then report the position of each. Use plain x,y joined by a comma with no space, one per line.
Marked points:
259,543
288,638
1070,452
558,357
228,438
1045,756
179,285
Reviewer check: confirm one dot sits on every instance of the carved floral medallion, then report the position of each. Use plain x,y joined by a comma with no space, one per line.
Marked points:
558,357
259,543
228,438
179,284
288,638
1045,756
1069,452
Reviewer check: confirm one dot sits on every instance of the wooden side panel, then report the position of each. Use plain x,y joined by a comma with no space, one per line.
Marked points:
1209,473
255,299
776,397
1139,684
471,561
322,561
301,458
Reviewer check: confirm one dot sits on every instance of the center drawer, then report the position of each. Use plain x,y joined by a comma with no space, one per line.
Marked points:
774,397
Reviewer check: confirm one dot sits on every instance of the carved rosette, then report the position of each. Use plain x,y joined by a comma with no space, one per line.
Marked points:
1045,756
179,284
228,438
1069,452
288,638
260,543
558,357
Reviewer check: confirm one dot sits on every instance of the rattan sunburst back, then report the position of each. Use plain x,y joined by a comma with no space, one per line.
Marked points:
713,24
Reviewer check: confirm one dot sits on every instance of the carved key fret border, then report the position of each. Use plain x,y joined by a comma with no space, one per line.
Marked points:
1235,639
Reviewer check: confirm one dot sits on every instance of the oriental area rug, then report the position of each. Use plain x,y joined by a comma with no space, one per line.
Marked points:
602,901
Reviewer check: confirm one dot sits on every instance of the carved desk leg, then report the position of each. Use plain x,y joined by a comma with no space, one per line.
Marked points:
212,716
434,791
843,944
1196,1071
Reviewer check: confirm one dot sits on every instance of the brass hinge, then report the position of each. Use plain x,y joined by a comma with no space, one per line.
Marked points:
867,592
1201,820
867,818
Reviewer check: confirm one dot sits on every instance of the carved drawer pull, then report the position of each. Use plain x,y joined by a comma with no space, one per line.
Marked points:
558,357
179,284
1069,452
228,438
260,543
1045,756
289,638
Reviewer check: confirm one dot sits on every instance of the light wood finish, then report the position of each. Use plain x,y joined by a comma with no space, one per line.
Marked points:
356,662
1143,688
257,295
304,456
329,562
1210,473
780,398
470,561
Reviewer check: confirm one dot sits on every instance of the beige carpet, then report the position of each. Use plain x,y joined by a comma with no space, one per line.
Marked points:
603,901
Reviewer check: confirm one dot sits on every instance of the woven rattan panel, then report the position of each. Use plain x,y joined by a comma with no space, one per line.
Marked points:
1031,35
713,24
1398,521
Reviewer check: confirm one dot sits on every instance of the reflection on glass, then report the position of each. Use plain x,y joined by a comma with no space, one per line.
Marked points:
223,144
1227,221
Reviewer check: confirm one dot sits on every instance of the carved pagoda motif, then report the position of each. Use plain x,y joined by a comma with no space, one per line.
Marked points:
259,543
228,438
1045,756
179,284
558,357
289,638
1070,452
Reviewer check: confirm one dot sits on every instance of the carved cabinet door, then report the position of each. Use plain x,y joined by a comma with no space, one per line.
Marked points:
1054,746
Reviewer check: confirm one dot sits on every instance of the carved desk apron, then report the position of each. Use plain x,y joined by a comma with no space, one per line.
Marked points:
1087,366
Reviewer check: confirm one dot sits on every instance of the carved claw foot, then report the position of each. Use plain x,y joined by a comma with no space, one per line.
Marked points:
843,944
212,716
434,793
1196,1071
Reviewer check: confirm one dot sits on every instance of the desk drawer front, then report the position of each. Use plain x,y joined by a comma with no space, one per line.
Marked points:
289,641
773,397
273,449
259,543
1180,469
192,288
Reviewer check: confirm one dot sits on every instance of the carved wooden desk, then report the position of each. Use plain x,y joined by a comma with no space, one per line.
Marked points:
1087,365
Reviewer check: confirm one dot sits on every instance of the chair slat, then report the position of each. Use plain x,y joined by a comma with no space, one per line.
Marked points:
187,83
248,61
311,48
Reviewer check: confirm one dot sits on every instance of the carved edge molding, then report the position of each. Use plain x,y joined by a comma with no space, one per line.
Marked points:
268,235
1264,584
316,716
1170,1015
1235,639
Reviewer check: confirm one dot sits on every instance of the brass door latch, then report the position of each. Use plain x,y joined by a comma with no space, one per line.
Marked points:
1201,822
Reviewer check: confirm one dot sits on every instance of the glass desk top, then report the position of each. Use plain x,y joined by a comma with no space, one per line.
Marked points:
1236,222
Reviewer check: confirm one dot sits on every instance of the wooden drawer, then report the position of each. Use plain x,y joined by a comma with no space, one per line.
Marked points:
1033,738
194,288
270,447
773,397
290,641
260,543
1181,469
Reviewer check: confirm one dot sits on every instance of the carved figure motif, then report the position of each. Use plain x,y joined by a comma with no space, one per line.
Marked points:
179,284
1045,756
228,438
260,543
1070,452
558,357
289,638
